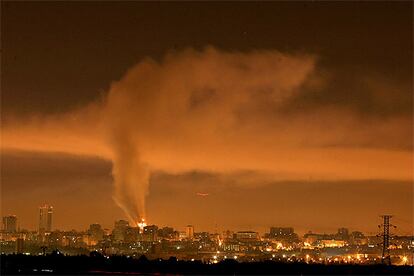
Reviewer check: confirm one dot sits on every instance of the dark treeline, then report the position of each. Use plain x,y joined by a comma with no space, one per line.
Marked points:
96,264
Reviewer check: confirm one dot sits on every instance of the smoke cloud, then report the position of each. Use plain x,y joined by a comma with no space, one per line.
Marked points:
221,112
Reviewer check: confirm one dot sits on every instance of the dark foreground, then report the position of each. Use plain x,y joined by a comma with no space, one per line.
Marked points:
121,265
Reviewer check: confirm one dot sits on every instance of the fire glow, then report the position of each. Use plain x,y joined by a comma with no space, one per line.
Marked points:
141,225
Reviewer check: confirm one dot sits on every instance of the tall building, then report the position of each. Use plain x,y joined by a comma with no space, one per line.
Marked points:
45,218
19,245
343,234
189,232
150,233
166,232
96,232
118,234
131,234
10,224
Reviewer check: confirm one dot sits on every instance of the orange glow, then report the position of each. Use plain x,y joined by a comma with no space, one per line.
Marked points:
141,225
225,115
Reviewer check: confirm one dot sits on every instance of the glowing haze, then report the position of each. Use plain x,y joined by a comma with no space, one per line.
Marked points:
222,112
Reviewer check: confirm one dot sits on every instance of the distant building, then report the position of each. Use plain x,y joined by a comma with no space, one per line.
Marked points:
281,231
286,235
10,224
324,240
118,234
315,239
332,243
246,236
232,246
166,232
202,236
189,232
96,232
357,238
182,235
343,234
228,235
55,238
131,234
19,245
150,233
45,218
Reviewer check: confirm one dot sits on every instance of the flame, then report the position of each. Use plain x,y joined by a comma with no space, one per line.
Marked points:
141,225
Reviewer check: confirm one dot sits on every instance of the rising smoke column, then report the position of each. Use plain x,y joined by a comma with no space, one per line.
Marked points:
220,112
131,177
188,102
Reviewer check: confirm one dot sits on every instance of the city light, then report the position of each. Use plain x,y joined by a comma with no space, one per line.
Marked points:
128,241
270,137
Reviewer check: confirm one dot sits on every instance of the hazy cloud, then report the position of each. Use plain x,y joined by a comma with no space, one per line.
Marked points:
225,112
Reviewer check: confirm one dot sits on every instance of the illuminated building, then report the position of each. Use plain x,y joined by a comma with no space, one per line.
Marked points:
131,234
231,245
332,243
281,232
246,236
150,233
118,234
182,235
10,224
357,238
45,218
286,235
189,232
166,232
55,238
88,240
19,245
96,232
343,234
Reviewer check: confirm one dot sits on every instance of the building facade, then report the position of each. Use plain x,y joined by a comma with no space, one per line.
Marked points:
45,218
189,232
10,224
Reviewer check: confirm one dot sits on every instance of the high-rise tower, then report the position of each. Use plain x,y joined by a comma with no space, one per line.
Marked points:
45,218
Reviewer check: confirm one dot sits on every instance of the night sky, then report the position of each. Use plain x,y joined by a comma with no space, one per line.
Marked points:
286,114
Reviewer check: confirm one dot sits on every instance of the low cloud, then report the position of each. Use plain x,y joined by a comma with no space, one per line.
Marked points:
222,112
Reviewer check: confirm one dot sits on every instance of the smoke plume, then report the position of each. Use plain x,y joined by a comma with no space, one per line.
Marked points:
221,112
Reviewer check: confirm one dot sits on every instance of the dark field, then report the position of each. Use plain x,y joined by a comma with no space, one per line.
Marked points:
121,265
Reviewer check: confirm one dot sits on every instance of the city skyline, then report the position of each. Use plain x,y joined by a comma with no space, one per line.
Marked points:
270,212
206,114
11,224
279,244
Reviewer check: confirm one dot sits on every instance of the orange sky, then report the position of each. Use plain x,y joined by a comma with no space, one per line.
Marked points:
260,109
220,112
